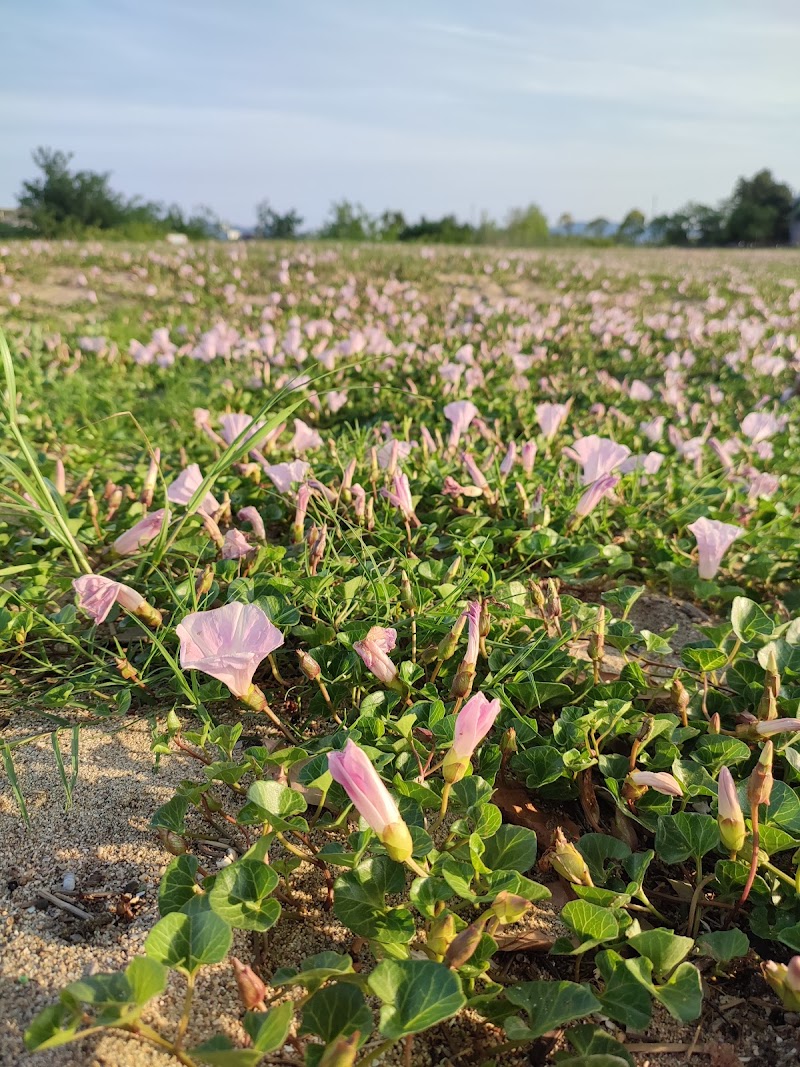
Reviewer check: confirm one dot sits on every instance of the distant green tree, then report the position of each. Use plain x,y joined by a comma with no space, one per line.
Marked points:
759,210
273,226
526,227
597,227
348,222
566,223
446,230
62,203
631,228
390,225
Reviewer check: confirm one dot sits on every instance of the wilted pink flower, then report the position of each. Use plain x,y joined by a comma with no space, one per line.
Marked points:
251,516
305,437
594,494
768,727
335,400
374,650
597,455
283,475
359,495
60,478
474,611
186,485
551,418
228,643
460,413
98,595
713,541
303,497
352,769
142,533
474,722
400,497
661,781
236,546
474,471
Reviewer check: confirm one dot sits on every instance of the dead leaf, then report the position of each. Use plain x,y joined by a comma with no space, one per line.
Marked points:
527,941
724,1056
517,807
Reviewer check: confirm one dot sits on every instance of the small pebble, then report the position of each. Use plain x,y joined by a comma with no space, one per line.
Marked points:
68,884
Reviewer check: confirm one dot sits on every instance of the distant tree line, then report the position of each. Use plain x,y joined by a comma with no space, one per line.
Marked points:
63,202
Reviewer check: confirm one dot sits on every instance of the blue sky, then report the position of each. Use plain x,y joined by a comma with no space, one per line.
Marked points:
587,106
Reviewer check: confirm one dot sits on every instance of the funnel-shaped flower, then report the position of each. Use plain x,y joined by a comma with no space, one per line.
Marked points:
352,769
186,485
97,596
597,456
760,425
374,650
732,830
551,418
228,643
234,423
474,722
713,541
770,727
236,546
283,475
594,494
460,413
305,437
400,496
139,535
251,515
661,781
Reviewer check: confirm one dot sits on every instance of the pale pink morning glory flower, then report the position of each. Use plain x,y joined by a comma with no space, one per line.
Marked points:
394,452
654,429
251,516
762,486
474,612
661,781
529,451
141,534
474,722
508,460
305,437
97,596
777,726
597,455
335,400
186,485
551,418
236,546
400,496
759,425
228,643
650,463
352,769
235,423
639,390
474,471
460,414
595,493
284,475
713,541
374,650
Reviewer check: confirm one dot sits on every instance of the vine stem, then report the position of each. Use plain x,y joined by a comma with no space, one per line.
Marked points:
376,1053
183,1022
152,1037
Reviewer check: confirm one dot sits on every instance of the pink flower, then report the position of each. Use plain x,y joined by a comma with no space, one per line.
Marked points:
730,819
284,475
474,471
777,726
474,722
592,496
474,612
529,451
661,781
508,460
186,485
597,455
654,429
352,769
713,540
303,497
235,423
236,546
228,643
142,533
335,400
551,418
392,452
97,596
305,438
759,425
762,486
460,413
650,463
251,516
374,650
400,496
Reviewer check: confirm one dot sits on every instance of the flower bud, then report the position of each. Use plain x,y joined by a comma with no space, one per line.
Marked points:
441,934
508,743
171,841
463,945
569,863
681,700
732,830
341,1052
396,839
509,907
714,723
252,990
462,683
308,665
449,643
785,980
406,593
759,787
205,581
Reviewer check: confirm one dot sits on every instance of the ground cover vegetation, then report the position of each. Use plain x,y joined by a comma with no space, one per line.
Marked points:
370,535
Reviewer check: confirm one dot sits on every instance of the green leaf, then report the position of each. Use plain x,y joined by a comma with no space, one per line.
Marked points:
146,978
540,766
55,1025
179,884
268,1030
682,995
703,658
360,902
548,1005
416,994
749,621
623,998
597,850
686,834
336,1011
512,848
186,942
220,1051
588,1041
278,802
591,923
171,815
314,971
241,895
663,948
716,751
724,945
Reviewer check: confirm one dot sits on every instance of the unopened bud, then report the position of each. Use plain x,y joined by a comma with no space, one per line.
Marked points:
406,593
569,863
212,529
509,907
732,830
441,934
308,665
714,723
768,705
205,581
171,841
148,489
60,480
785,980
114,502
508,742
452,570
396,839
680,699
252,990
341,1052
449,643
464,945
485,624
538,596
759,787
462,683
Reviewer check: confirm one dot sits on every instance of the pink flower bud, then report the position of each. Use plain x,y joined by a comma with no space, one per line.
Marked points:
474,722
352,769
